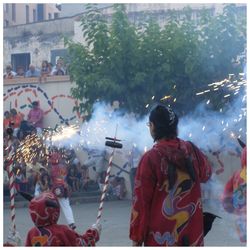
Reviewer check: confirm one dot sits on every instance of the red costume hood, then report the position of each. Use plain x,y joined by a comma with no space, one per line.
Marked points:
44,209
175,151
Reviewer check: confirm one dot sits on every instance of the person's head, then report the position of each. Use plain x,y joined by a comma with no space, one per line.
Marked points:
8,68
162,122
42,170
7,114
35,104
60,60
32,68
44,209
20,71
44,64
9,132
13,112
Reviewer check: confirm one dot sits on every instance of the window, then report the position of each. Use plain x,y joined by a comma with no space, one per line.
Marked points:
56,15
27,13
40,12
50,17
13,12
34,15
21,59
6,23
56,53
7,8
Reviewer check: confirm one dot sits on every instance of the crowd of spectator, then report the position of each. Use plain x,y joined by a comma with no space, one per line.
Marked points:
46,69
40,172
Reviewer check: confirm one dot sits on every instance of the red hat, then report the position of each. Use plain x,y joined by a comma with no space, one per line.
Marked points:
44,209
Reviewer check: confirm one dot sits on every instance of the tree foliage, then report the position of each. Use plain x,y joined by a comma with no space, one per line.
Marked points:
135,63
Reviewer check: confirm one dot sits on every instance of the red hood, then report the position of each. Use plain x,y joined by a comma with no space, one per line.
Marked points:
175,150
44,209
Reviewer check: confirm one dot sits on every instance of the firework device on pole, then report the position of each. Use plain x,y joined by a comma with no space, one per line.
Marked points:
14,238
111,142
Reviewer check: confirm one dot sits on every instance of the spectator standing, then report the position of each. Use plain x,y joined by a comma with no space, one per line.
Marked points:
45,69
59,69
72,178
167,209
35,117
9,74
33,72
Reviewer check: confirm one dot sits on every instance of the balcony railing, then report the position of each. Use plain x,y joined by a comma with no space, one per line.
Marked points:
38,80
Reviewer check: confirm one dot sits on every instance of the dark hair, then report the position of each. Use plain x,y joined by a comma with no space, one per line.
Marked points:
9,131
13,111
165,122
35,103
6,113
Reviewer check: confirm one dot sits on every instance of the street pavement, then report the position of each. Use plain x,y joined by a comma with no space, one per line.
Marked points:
115,224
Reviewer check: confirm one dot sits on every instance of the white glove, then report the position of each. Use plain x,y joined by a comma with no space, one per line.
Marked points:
98,227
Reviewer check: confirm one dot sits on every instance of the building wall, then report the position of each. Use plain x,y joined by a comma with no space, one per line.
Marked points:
53,94
38,39
20,13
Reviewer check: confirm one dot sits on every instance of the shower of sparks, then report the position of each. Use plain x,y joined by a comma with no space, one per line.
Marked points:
165,97
31,147
64,133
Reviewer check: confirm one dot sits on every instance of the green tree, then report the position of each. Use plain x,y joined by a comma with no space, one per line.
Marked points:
132,63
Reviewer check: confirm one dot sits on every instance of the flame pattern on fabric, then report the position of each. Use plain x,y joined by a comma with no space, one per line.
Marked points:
165,215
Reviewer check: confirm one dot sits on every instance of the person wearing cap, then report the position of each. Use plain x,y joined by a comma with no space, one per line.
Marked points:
35,117
167,208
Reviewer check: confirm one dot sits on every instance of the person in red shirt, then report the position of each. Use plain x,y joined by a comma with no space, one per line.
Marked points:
167,207
35,117
234,198
60,187
45,211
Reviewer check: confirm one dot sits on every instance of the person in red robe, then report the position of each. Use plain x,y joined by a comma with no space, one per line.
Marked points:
167,207
44,211
234,196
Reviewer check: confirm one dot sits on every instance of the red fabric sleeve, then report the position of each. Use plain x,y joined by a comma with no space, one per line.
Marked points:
142,200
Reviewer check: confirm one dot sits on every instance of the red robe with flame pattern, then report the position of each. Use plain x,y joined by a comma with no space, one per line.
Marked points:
162,217
45,210
234,198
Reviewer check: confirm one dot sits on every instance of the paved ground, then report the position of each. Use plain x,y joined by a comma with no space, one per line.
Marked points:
115,224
